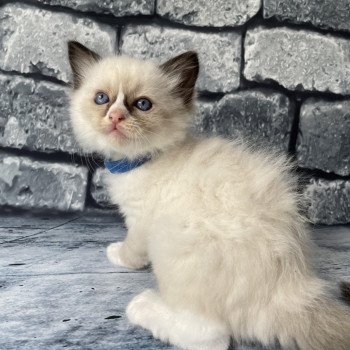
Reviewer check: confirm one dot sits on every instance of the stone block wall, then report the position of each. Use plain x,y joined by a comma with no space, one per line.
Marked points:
275,71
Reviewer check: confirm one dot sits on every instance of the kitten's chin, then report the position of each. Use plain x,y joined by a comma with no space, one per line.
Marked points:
117,143
131,147
118,137
117,134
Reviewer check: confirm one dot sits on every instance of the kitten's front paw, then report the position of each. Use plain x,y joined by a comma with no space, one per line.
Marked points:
114,255
118,255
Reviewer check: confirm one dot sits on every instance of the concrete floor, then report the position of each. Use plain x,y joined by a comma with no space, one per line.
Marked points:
57,289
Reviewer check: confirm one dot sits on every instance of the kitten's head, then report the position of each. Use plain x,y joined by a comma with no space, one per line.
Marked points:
126,107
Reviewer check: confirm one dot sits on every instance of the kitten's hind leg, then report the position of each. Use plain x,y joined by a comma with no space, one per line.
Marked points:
180,328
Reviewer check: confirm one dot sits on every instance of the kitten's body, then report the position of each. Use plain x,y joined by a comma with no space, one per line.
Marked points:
220,226
221,230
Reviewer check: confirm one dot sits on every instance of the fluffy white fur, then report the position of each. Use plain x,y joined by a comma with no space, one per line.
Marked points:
220,225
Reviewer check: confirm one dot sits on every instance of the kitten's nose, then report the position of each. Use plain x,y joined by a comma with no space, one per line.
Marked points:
116,116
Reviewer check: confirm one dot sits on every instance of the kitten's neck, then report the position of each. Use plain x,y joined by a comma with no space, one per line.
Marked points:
188,139
122,164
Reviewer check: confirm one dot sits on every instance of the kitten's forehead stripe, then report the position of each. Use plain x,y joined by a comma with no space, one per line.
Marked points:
120,97
119,101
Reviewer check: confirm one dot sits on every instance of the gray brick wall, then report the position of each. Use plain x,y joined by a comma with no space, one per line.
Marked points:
274,71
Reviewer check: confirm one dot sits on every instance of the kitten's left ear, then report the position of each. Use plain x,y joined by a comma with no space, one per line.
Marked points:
185,68
80,59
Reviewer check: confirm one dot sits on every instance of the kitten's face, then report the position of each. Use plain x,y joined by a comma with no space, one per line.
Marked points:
126,107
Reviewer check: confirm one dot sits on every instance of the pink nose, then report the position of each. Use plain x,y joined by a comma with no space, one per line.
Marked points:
116,116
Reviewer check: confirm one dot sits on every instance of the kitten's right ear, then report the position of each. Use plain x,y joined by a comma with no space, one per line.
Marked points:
80,59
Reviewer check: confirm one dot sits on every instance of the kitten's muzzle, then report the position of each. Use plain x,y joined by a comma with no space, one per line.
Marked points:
116,116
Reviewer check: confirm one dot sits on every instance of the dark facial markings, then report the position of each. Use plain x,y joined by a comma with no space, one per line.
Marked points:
103,99
127,105
143,103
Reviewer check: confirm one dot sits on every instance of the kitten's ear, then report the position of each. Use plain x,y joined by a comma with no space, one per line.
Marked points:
185,68
80,59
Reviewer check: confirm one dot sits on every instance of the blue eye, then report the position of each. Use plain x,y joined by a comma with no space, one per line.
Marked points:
101,98
143,104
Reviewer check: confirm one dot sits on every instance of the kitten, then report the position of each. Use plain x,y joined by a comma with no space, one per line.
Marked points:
218,222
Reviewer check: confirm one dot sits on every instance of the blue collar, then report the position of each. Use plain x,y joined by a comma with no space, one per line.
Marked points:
124,165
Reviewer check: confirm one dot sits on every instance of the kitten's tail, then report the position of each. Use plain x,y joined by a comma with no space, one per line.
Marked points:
325,325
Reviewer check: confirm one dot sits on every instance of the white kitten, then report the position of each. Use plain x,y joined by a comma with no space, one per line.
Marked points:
218,222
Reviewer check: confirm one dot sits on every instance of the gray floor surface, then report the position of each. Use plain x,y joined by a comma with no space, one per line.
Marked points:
57,289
